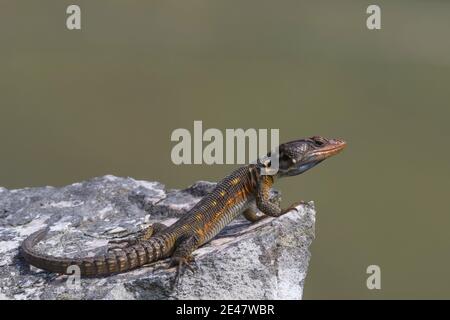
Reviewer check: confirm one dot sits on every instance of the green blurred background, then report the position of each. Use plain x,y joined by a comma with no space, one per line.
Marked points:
104,100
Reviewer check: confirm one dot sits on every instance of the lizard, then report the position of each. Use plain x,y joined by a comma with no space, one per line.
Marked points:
245,191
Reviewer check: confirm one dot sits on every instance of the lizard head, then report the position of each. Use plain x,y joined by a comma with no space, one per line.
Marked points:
296,157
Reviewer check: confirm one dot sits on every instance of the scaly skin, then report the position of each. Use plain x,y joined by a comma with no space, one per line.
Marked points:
243,191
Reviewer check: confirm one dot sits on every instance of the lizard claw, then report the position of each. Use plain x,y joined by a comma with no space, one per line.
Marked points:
296,204
179,263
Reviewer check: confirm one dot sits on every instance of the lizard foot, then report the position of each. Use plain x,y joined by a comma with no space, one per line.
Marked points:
179,263
295,205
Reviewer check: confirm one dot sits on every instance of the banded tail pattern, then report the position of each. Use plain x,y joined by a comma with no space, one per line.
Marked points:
116,261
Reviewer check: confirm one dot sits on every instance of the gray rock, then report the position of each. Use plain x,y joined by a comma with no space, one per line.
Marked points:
266,260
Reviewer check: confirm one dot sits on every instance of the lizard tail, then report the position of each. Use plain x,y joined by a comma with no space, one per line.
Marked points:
112,262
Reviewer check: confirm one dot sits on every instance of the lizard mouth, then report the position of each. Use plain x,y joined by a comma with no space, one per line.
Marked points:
334,147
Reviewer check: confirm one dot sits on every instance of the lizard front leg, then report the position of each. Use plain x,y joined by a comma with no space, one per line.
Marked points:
263,202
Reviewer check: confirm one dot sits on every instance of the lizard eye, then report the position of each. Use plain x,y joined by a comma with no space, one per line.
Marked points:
318,141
